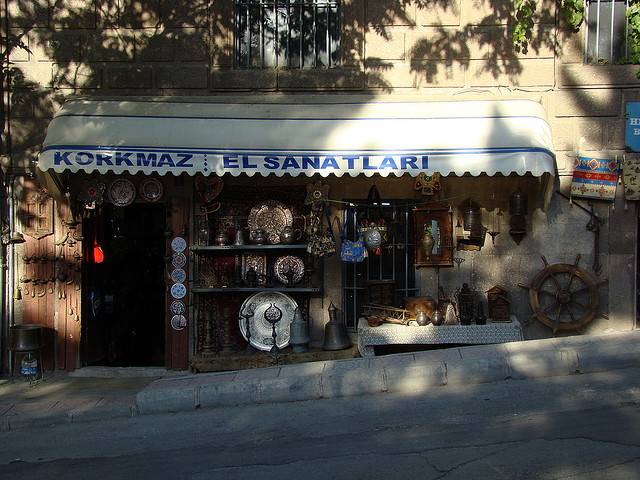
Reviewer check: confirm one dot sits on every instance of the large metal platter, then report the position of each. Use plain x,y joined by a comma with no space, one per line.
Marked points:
271,216
261,330
121,192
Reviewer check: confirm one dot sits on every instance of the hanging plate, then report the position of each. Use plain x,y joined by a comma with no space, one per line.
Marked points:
261,330
121,192
179,260
178,322
178,307
178,244
271,216
178,290
179,275
151,189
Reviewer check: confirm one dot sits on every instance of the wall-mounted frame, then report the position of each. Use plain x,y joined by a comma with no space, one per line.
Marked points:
433,232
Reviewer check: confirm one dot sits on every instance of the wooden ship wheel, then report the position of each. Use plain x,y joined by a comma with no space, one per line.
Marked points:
563,297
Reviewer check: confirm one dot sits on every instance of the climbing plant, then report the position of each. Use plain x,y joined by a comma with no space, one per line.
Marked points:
573,13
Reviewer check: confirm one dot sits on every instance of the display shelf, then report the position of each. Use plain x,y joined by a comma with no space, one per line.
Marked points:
222,248
283,289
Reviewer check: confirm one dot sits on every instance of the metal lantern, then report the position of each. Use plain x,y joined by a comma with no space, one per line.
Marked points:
518,203
471,217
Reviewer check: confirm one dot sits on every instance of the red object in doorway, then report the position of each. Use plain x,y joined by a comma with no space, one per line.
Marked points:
95,252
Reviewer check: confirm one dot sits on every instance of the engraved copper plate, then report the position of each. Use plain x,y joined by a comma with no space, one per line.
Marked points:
286,264
121,192
261,330
271,216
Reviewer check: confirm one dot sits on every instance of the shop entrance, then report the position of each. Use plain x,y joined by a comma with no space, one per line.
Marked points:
123,301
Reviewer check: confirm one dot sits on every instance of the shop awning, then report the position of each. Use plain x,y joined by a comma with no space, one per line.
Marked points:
218,136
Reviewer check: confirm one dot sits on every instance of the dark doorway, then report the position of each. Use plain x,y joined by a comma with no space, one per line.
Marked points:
123,300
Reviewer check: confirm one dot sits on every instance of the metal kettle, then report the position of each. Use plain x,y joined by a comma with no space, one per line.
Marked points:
335,334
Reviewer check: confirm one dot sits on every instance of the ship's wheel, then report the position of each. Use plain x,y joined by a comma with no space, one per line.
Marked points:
563,297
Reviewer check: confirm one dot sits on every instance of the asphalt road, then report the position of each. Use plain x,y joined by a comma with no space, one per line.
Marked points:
573,427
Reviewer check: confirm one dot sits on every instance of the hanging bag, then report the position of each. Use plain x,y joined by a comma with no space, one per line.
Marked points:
373,225
322,245
352,251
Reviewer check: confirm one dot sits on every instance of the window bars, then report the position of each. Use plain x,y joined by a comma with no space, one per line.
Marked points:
607,31
287,33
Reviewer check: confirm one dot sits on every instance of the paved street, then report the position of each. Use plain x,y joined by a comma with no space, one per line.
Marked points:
570,427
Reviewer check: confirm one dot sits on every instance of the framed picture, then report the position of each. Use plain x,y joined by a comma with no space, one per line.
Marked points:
433,232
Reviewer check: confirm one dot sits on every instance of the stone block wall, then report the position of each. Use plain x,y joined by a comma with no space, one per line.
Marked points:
454,50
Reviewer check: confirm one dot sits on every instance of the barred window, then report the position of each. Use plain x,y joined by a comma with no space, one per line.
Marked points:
606,31
392,264
287,33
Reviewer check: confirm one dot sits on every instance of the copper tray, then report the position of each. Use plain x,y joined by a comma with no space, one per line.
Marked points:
271,216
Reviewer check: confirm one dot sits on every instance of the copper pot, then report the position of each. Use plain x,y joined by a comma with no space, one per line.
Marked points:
24,338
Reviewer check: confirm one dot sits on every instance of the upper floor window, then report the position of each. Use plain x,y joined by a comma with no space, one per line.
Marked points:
606,31
287,33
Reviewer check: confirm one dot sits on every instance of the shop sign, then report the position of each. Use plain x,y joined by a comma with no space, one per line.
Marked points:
632,128
263,162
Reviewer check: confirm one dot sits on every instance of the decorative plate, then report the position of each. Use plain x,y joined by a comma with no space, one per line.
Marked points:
260,329
178,307
271,216
151,189
179,260
121,192
288,263
178,290
178,244
179,275
178,322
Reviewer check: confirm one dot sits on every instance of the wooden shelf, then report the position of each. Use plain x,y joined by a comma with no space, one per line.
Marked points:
221,248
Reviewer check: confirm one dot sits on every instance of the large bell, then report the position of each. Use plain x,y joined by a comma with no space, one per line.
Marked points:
335,334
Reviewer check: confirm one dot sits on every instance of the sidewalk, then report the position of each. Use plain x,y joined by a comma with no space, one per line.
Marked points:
75,397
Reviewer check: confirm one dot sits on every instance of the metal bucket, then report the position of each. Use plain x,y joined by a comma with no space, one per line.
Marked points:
25,338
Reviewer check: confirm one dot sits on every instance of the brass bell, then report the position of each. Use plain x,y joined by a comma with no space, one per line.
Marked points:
335,334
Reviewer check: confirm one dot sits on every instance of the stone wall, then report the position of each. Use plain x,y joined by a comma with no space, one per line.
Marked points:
444,50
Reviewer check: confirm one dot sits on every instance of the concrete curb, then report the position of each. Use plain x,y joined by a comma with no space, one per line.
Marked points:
411,373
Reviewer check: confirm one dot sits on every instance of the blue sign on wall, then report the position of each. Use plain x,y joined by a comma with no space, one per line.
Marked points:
632,128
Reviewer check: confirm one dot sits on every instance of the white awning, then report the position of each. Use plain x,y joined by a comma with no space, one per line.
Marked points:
217,137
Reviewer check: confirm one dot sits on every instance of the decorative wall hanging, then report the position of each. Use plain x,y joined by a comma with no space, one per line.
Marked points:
427,185
563,297
433,235
91,193
208,188
595,178
317,195
151,189
37,219
121,192
631,178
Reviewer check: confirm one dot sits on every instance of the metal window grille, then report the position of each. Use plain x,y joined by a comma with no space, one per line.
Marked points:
394,261
607,30
287,33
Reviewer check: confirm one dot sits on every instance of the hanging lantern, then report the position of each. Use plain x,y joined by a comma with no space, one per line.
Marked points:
471,217
518,203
